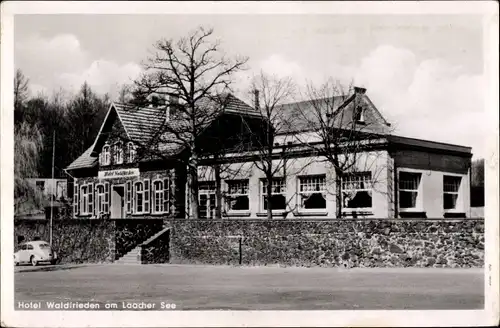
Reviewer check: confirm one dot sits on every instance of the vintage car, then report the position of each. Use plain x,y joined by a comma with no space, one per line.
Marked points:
35,252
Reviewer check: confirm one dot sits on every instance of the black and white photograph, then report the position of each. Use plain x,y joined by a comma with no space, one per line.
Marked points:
249,164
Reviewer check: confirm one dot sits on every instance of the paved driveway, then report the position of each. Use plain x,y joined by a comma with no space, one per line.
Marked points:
257,288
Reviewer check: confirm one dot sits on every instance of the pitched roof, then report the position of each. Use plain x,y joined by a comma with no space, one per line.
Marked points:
85,160
298,116
304,115
143,124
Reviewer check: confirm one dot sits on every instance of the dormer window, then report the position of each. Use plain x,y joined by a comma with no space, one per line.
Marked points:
360,115
131,152
118,153
105,155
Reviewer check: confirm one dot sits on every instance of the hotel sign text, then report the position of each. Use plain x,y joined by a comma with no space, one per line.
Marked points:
124,173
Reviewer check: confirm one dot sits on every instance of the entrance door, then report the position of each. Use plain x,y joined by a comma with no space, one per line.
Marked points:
118,202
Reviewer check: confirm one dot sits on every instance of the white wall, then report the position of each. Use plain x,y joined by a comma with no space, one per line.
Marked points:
58,187
430,197
375,161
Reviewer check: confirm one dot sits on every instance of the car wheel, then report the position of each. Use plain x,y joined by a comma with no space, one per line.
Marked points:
53,262
33,261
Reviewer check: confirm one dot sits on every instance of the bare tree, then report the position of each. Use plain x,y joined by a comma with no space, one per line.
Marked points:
195,71
124,93
270,140
20,89
341,133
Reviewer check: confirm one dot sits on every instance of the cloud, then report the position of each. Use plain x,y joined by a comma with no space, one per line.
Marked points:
62,62
429,99
45,58
425,98
102,75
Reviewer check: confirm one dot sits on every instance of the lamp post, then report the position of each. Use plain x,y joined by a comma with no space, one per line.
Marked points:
52,193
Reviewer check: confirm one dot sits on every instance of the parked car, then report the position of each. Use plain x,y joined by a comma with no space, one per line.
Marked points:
35,252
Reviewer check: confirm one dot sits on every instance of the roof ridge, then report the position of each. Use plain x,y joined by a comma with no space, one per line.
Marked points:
311,100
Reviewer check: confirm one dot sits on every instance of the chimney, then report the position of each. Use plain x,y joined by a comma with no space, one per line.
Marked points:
256,102
173,101
359,90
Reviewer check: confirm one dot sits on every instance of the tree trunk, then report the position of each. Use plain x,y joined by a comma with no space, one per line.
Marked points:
193,186
218,192
269,178
338,193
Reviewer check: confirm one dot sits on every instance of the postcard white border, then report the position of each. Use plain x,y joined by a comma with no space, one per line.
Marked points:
488,316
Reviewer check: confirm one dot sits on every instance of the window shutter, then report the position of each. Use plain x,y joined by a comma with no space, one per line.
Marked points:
96,200
166,195
91,198
147,195
128,197
132,192
105,207
75,200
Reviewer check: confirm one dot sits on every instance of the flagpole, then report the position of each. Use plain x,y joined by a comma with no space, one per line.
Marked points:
52,195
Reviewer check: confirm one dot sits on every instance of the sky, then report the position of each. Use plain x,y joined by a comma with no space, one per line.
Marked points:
425,73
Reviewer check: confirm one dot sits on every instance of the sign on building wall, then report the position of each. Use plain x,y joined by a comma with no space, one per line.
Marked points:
124,173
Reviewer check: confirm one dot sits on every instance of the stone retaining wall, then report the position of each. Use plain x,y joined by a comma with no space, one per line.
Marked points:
75,241
330,243
356,243
89,241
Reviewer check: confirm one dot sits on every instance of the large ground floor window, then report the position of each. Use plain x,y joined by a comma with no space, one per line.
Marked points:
160,196
237,195
409,183
86,199
102,199
312,192
357,190
278,194
451,187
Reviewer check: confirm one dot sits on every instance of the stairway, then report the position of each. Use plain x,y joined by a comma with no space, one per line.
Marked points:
131,257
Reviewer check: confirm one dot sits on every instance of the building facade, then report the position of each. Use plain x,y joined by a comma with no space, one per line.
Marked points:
393,176
58,188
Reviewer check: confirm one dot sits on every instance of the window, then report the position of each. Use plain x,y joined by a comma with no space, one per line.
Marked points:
278,192
118,153
312,192
158,194
139,197
409,183
147,190
40,185
131,152
166,195
101,200
30,247
359,114
206,197
451,186
105,155
129,197
357,190
90,206
85,199
237,195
